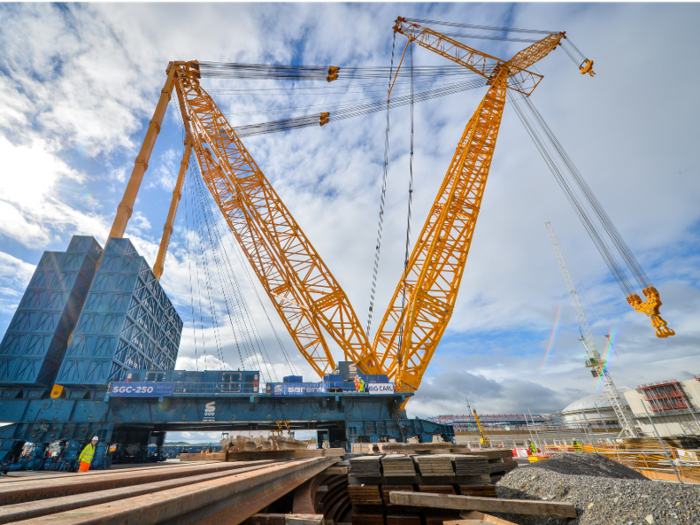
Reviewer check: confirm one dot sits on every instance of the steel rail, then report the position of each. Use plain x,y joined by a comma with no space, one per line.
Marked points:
22,492
12,477
35,509
229,500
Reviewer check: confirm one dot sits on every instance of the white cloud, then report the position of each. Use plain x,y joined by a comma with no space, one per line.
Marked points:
32,208
14,277
167,169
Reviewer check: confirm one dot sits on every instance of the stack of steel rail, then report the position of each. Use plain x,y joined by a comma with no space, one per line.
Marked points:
215,492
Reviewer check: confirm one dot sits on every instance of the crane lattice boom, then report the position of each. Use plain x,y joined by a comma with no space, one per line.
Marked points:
303,290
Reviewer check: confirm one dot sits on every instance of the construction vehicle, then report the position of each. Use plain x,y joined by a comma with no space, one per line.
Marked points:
485,441
594,362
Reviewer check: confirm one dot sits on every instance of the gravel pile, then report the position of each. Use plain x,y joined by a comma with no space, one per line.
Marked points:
585,464
605,494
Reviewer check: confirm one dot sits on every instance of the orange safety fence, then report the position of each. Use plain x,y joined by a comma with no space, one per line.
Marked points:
650,460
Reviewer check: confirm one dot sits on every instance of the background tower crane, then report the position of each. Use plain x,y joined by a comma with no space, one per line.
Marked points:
594,361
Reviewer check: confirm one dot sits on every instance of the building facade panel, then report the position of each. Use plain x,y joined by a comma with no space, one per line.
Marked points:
672,407
35,343
127,322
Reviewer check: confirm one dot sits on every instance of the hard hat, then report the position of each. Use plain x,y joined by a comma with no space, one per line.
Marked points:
95,438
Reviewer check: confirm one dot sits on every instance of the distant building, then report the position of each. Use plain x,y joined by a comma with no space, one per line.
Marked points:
594,409
467,423
674,407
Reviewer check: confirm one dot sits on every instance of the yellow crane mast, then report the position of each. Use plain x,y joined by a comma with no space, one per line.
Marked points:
424,299
300,285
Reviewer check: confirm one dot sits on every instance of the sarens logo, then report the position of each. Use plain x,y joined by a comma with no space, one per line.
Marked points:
210,411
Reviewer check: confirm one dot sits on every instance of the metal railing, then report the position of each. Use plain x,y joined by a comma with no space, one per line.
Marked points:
196,387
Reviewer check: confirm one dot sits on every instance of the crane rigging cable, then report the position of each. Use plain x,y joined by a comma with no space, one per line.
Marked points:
208,288
490,37
291,72
240,337
214,321
407,251
592,230
244,333
216,228
189,266
619,243
275,126
249,328
561,166
190,235
313,90
197,235
216,225
372,93
476,26
382,199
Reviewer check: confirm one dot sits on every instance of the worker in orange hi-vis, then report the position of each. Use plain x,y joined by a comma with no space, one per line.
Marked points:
357,383
87,454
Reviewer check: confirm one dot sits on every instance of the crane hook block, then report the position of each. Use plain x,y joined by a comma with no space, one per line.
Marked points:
587,67
324,119
332,73
650,307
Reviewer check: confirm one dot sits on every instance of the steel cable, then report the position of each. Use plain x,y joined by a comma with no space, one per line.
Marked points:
199,296
241,319
240,297
399,360
275,126
243,265
190,194
215,320
382,200
487,37
614,267
289,72
598,209
189,264
475,26
284,352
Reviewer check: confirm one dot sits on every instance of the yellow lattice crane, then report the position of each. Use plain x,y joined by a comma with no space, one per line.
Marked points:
484,441
301,287
410,331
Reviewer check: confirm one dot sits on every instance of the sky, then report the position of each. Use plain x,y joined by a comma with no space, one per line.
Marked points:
79,83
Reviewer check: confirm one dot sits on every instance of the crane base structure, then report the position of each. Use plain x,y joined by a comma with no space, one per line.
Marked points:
90,317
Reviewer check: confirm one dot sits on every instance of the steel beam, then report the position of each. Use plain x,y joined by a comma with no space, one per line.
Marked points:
229,499
24,491
34,509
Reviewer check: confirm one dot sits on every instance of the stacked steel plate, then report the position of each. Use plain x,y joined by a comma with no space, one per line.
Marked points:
395,465
366,466
471,465
436,465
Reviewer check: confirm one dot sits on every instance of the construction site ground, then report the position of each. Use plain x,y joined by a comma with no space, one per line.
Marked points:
409,484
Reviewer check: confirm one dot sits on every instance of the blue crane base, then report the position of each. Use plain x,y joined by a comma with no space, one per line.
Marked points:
91,317
60,428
